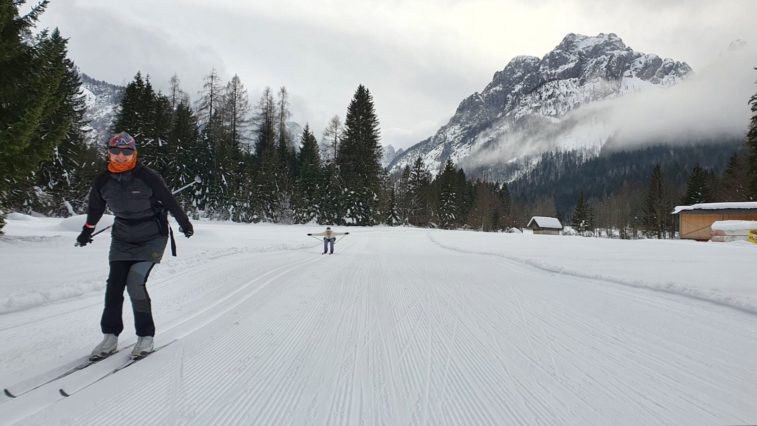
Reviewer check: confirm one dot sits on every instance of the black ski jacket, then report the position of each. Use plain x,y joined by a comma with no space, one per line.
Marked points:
140,201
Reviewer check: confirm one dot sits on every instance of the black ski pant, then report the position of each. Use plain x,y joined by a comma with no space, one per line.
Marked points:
131,275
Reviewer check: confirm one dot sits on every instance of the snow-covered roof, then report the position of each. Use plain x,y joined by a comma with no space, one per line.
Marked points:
717,206
545,222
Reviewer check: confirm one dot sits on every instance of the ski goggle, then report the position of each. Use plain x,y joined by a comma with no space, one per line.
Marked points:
124,151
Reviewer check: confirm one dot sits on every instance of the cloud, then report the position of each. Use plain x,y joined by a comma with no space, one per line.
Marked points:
710,105
419,58
109,46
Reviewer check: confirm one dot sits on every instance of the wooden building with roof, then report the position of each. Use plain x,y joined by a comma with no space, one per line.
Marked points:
695,221
545,225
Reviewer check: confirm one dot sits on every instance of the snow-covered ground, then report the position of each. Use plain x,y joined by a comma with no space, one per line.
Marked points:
401,326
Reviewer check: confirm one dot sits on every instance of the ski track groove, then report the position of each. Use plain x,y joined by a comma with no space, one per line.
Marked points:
226,306
367,349
198,400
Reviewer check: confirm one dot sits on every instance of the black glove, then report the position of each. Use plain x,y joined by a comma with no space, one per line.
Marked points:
85,237
187,229
309,235
346,233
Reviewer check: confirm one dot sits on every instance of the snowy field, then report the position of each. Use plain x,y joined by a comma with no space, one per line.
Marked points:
401,326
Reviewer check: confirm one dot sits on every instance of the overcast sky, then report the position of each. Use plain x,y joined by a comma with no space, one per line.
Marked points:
418,58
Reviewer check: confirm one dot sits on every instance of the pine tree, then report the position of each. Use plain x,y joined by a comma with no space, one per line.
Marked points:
658,205
237,120
699,187
210,122
30,76
40,109
330,140
67,175
582,215
734,183
403,196
175,94
392,212
449,198
267,178
309,179
147,116
752,145
331,197
359,159
186,157
419,212
210,100
286,159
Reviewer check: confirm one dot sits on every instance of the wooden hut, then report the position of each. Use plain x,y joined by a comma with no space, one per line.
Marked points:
545,225
695,220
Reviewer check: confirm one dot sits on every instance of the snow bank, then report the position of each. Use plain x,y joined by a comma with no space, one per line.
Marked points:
734,227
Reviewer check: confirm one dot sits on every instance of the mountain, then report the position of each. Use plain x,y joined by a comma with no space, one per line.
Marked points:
390,154
537,105
102,100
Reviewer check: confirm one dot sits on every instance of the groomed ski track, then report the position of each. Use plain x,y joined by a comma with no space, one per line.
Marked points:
401,328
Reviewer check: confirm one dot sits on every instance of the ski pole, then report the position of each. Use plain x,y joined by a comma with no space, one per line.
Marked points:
197,180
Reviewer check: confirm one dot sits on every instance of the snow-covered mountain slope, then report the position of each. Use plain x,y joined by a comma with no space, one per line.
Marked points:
102,101
534,105
400,326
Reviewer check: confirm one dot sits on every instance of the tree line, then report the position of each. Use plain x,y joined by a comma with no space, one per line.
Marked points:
252,169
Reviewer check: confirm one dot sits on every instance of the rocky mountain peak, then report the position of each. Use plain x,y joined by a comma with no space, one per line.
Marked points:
531,94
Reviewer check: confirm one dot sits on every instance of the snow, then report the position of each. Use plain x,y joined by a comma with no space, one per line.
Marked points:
717,206
545,222
734,225
400,326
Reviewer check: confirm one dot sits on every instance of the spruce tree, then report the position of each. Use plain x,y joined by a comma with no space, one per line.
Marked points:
31,74
39,106
286,159
392,212
331,197
581,215
699,187
359,160
147,116
403,196
309,179
752,145
448,197
734,182
419,212
267,178
657,217
186,158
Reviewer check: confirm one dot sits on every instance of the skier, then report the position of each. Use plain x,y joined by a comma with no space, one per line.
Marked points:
138,198
329,237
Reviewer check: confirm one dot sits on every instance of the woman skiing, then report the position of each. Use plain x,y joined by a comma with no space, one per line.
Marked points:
329,237
138,198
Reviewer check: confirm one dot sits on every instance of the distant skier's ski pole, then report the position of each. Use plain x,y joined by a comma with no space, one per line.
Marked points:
197,180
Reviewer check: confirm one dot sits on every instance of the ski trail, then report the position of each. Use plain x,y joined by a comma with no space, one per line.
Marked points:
396,329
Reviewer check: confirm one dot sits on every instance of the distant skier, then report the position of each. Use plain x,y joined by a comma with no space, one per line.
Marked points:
329,237
138,198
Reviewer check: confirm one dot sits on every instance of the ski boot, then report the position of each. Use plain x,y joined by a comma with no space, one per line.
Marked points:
105,349
143,347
